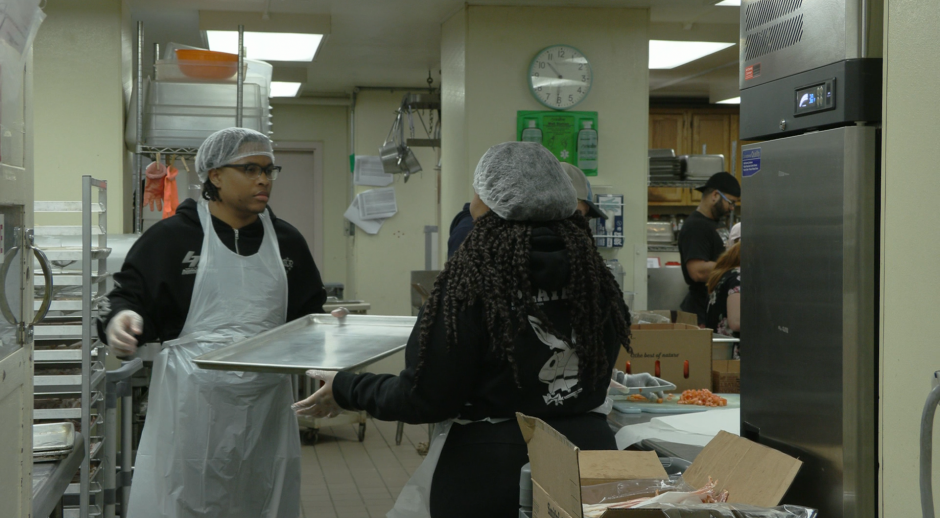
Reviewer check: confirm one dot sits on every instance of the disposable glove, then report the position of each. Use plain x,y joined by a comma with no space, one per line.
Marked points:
121,332
171,197
321,403
153,188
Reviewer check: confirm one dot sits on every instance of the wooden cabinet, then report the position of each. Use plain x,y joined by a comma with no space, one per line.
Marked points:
688,131
667,131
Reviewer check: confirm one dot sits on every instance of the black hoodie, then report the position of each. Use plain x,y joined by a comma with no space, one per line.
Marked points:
158,275
470,381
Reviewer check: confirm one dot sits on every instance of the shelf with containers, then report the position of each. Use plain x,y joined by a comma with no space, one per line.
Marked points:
184,101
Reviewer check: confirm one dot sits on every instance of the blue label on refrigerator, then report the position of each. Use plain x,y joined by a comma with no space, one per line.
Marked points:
750,162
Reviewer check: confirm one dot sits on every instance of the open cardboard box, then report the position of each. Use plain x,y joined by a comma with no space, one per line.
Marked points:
753,474
663,350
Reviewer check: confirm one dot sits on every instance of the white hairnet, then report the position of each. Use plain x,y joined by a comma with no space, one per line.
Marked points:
523,181
228,145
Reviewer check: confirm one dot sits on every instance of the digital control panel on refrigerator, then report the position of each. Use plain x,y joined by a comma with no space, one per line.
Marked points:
815,98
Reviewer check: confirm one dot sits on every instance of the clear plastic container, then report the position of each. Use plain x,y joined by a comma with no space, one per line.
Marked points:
183,114
659,232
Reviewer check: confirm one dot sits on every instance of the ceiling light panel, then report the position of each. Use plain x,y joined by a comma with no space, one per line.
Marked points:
268,46
284,89
671,54
729,3
733,100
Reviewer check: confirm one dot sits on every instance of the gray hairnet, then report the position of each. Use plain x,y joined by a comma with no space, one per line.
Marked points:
228,145
523,181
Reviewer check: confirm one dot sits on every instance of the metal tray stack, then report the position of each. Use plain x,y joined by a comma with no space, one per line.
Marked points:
69,381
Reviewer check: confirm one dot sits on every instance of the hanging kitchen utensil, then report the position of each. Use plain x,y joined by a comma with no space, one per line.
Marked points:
396,156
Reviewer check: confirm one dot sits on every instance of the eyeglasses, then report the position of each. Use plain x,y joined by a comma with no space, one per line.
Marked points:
723,197
253,171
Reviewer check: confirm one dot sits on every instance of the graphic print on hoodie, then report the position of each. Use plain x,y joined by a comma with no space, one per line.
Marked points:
560,372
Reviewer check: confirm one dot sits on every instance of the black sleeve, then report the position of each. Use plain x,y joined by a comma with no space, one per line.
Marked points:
696,244
447,379
305,291
459,230
134,287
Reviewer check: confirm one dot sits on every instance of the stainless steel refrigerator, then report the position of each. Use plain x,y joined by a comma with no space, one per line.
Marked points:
811,93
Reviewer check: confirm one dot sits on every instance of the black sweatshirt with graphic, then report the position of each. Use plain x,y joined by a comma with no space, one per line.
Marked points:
159,273
469,380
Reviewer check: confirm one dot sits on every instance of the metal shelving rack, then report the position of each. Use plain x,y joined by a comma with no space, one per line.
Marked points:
142,149
61,324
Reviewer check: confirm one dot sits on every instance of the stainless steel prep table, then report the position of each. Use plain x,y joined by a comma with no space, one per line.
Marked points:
318,342
617,420
50,479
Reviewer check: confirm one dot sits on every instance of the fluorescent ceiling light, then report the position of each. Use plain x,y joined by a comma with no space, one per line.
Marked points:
729,3
670,54
268,46
283,89
733,100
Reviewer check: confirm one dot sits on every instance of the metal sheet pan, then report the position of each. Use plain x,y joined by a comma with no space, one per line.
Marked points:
315,342
53,437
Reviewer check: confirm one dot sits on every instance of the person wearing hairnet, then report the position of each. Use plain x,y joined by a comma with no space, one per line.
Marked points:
525,317
462,224
215,443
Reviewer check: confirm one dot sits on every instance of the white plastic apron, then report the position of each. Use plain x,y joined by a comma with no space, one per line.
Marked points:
220,443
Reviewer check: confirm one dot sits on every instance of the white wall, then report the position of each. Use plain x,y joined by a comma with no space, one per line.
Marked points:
910,350
383,262
79,104
330,126
485,55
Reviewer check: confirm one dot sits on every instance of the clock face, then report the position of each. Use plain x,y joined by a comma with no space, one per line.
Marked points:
560,77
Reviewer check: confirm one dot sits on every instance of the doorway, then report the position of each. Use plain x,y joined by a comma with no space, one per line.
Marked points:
297,196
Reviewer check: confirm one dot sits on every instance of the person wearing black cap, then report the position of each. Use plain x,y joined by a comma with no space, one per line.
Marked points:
699,242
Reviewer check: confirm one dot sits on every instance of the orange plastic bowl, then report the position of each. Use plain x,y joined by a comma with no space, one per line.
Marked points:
207,64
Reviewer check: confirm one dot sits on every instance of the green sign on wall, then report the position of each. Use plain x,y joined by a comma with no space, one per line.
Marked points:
570,136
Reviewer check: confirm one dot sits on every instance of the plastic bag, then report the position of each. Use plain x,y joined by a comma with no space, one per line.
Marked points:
642,317
736,511
629,489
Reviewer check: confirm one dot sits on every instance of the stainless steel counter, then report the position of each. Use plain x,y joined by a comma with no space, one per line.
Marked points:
616,420
51,479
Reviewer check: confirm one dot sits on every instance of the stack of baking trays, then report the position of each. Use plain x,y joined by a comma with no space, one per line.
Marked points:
69,374
664,166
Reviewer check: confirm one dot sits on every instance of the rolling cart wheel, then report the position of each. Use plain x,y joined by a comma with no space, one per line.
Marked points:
362,432
309,436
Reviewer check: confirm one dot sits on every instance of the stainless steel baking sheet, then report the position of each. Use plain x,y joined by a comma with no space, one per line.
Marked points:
53,437
315,342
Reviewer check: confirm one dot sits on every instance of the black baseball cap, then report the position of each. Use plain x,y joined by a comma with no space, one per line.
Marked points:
724,182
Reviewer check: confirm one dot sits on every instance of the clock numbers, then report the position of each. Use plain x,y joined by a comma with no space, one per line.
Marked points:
560,77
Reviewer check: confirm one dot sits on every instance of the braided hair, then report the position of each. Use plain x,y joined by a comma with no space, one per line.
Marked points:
491,268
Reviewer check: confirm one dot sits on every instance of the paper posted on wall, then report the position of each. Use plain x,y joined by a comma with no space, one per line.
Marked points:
377,203
368,171
369,226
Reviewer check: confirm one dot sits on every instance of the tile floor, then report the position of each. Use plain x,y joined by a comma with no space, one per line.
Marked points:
345,478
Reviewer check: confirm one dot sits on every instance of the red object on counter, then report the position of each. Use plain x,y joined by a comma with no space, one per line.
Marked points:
685,369
627,369
657,369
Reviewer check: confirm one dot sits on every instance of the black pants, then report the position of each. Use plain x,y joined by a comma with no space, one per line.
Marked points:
478,473
693,304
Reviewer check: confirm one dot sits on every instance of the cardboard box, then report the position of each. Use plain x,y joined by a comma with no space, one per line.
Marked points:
676,317
726,376
753,474
663,350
